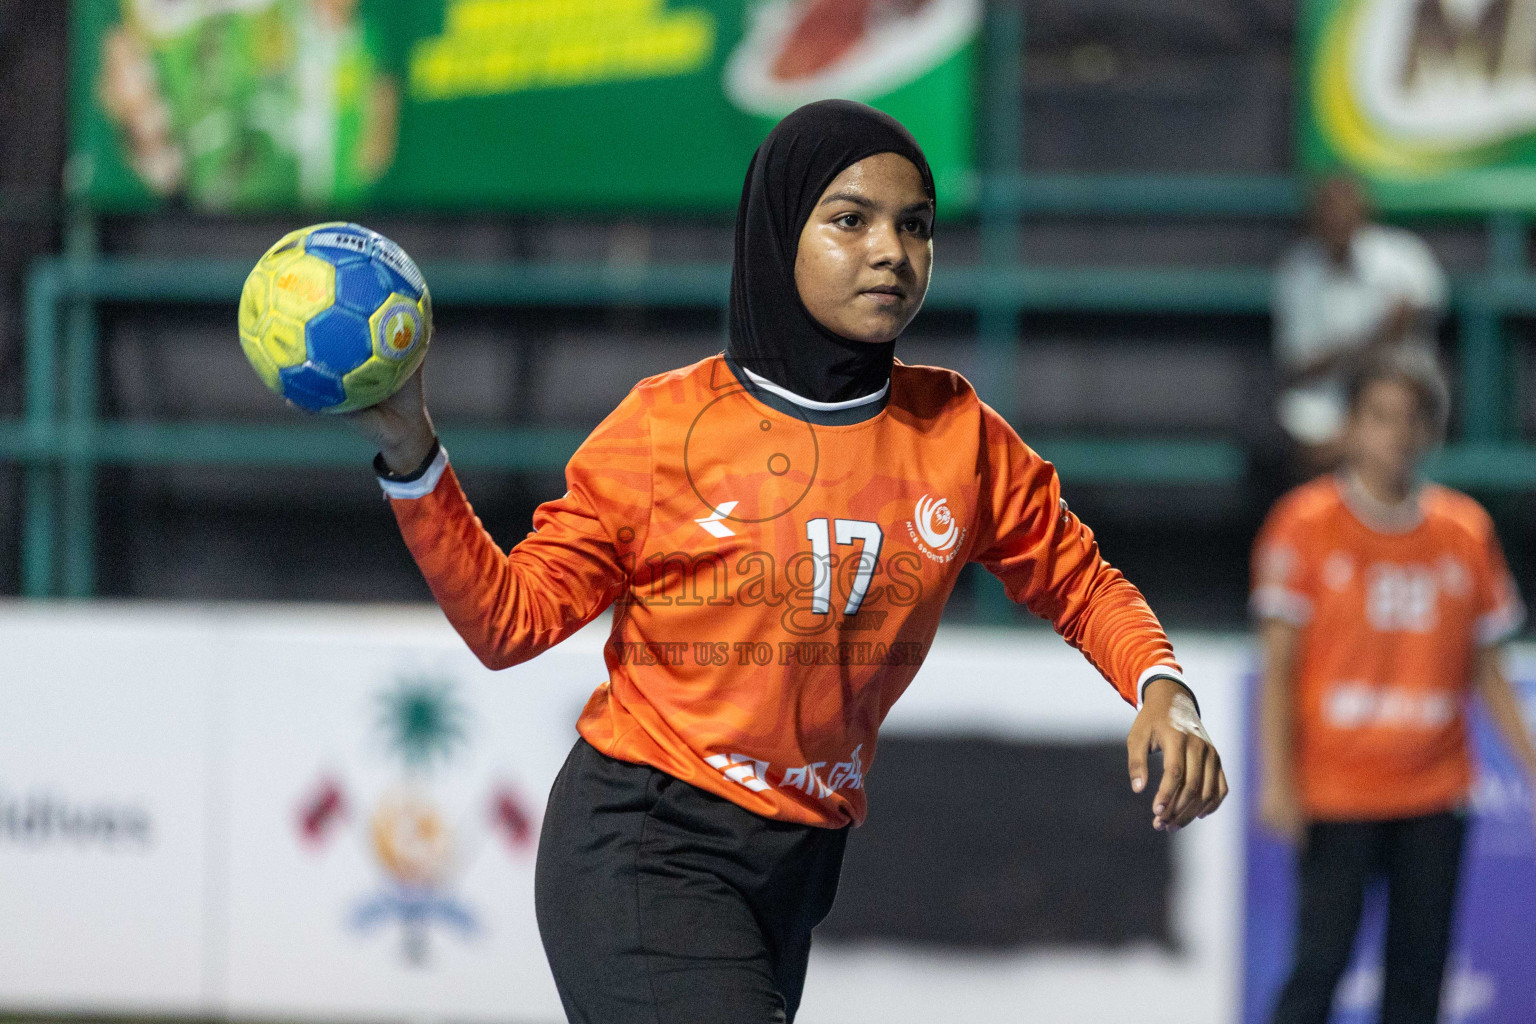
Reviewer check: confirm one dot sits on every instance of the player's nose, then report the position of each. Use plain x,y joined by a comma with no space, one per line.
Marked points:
885,248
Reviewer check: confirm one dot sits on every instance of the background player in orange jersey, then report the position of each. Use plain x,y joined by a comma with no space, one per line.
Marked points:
1383,603
777,529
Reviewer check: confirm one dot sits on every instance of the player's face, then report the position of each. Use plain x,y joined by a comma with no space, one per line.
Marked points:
1389,432
866,250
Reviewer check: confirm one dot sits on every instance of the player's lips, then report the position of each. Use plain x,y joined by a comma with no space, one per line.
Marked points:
886,294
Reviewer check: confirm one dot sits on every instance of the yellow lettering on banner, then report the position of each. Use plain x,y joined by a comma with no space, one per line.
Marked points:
493,47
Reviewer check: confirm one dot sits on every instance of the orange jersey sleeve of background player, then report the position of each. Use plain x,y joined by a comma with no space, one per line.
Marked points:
697,511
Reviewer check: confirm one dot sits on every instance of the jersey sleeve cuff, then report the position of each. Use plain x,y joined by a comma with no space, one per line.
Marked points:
1271,602
1162,672
413,485
1500,624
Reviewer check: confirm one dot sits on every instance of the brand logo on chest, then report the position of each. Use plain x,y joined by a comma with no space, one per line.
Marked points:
934,530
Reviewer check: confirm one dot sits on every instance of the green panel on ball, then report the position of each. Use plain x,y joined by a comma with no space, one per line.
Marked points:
371,383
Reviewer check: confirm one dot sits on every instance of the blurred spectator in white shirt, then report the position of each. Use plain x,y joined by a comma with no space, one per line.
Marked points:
1348,288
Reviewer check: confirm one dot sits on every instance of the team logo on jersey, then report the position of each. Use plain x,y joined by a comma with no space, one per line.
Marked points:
934,530
847,774
815,779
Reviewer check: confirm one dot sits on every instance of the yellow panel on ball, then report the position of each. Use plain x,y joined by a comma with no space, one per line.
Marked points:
282,338
255,298
370,383
303,286
260,361
293,240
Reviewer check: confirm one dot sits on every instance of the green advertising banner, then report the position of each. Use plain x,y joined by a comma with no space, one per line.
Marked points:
490,104
1432,103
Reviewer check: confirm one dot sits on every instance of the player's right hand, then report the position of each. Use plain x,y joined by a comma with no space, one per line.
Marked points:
1193,783
399,426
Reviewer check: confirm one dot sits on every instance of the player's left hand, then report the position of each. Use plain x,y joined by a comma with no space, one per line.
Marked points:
1193,783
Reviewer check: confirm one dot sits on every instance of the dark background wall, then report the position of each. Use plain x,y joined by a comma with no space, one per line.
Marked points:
1197,86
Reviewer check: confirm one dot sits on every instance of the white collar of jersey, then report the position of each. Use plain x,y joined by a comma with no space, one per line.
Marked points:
1381,516
789,396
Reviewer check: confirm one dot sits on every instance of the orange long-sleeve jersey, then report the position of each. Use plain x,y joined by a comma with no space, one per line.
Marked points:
1390,623
776,584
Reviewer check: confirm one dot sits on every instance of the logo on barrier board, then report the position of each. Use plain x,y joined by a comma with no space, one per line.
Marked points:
418,831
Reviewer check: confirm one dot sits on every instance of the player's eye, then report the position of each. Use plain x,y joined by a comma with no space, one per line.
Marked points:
917,226
847,220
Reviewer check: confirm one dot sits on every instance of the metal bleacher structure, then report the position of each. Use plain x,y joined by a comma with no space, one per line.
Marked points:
62,440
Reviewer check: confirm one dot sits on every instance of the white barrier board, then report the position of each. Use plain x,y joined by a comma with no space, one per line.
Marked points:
333,812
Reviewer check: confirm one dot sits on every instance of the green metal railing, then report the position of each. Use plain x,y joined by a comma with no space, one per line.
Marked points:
61,440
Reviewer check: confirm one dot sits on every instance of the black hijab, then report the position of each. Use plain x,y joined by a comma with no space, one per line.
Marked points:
772,334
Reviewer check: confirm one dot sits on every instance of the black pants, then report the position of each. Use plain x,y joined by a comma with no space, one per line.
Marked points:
659,903
1421,859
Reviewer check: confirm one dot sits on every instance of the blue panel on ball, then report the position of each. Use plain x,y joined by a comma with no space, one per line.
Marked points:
402,271
361,285
398,282
338,340
311,388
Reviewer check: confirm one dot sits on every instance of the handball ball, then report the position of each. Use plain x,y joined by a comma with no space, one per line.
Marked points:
335,317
